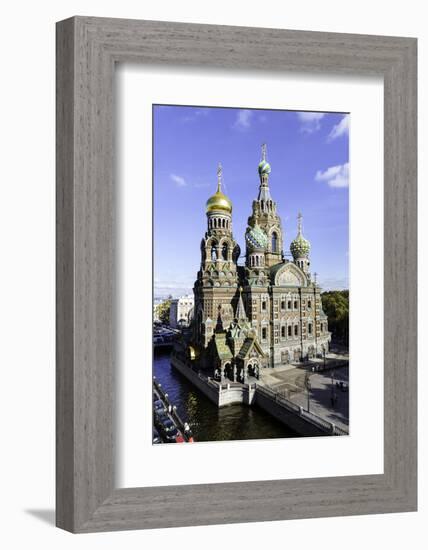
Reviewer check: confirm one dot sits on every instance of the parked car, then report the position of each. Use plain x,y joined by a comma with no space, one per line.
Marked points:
161,415
169,430
158,405
156,436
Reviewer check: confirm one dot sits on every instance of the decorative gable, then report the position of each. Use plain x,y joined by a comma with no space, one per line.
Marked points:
290,275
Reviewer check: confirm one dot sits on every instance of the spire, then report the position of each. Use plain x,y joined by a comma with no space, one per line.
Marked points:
219,177
264,171
299,224
240,314
263,152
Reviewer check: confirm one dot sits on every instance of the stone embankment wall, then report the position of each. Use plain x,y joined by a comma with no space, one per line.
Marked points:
277,406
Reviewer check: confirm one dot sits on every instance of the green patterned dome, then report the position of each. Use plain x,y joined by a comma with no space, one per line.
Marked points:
300,247
256,238
264,167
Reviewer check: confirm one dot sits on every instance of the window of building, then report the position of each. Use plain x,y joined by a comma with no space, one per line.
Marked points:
289,304
289,330
282,332
264,305
214,253
309,304
274,242
296,305
296,330
264,333
282,304
257,260
310,328
224,251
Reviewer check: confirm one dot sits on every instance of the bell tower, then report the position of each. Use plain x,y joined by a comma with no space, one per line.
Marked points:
217,281
265,215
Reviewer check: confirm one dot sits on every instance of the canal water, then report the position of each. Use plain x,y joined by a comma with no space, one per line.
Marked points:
208,422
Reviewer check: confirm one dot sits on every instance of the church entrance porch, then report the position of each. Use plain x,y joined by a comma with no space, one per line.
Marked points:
229,372
253,370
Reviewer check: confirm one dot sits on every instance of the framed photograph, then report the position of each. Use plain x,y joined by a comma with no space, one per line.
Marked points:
251,328
236,274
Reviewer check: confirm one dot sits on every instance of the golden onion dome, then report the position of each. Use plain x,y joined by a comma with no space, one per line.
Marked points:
219,201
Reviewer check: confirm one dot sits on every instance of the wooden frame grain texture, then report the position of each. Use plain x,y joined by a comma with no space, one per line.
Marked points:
87,50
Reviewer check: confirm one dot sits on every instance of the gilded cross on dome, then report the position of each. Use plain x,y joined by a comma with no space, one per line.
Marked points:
219,175
299,223
264,151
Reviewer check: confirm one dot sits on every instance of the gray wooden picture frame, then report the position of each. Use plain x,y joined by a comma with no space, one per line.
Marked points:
87,50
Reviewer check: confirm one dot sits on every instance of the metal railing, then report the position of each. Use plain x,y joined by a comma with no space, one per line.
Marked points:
321,423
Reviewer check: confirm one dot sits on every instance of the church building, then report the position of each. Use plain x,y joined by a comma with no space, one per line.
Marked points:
265,313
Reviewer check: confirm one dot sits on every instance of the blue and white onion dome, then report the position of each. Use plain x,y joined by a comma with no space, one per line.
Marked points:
256,238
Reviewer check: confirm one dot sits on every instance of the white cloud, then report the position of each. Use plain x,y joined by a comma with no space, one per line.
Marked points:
311,122
335,176
178,180
203,111
332,283
243,119
195,114
339,129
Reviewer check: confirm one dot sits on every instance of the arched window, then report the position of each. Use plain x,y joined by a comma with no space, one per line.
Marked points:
224,251
223,223
274,242
214,253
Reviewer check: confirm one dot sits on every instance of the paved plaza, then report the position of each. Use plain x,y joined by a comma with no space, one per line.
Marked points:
328,387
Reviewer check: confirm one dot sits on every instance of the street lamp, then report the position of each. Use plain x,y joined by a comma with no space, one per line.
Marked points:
308,389
333,396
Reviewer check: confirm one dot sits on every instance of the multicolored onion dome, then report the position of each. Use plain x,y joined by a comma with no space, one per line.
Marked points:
264,167
300,247
256,238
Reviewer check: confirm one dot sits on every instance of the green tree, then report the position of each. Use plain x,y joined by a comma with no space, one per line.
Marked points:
164,309
335,304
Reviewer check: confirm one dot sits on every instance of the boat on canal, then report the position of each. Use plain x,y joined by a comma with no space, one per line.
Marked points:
168,425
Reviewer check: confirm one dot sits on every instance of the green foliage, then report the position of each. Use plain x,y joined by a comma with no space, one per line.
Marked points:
164,309
335,304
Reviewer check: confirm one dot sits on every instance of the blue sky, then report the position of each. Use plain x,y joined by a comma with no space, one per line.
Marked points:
309,156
